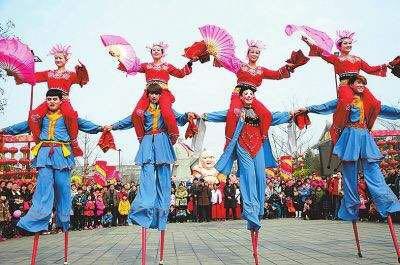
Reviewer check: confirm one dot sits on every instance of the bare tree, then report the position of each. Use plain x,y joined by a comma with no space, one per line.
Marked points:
288,139
90,152
6,30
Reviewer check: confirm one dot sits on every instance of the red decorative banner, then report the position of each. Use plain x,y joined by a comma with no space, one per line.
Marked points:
380,133
23,138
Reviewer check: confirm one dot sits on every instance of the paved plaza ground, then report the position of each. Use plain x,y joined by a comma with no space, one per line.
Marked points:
284,241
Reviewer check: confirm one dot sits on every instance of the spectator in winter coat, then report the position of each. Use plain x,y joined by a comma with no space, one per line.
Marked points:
88,212
111,202
78,204
123,208
230,200
100,207
204,201
5,215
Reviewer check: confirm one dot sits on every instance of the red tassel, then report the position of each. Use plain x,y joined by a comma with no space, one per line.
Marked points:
106,141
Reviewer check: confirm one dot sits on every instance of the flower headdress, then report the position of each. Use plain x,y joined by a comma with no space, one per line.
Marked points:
59,48
343,34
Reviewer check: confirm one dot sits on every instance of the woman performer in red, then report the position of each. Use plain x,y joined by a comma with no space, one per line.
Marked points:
346,66
158,72
251,75
60,79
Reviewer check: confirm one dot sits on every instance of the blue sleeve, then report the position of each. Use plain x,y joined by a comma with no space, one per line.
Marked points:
280,118
390,113
88,126
325,108
181,119
216,116
123,124
18,128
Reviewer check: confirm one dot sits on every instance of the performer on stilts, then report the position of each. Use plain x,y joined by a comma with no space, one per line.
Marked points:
53,158
250,74
61,79
353,121
347,66
157,72
155,156
253,153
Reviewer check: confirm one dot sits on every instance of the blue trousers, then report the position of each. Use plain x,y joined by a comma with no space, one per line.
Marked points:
385,200
151,205
252,178
53,186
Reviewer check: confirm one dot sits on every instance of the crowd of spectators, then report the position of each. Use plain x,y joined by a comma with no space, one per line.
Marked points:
194,201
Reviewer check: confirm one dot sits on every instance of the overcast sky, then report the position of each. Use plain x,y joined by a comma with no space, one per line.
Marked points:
111,96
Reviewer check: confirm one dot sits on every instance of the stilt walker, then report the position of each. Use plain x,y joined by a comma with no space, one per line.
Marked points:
53,158
220,45
346,66
155,156
61,79
253,154
353,120
158,72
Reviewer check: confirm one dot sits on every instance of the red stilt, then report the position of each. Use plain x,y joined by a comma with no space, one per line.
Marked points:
256,247
162,236
35,249
394,237
65,247
254,243
144,237
355,230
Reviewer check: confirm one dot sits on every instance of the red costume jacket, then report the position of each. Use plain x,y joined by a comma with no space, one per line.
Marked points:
55,80
349,64
62,81
163,71
345,67
160,74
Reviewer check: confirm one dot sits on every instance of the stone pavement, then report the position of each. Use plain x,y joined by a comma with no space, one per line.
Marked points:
284,241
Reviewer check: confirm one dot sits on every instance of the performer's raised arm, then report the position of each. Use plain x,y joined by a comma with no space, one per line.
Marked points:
279,117
390,113
181,118
180,73
89,127
215,116
16,129
123,124
324,109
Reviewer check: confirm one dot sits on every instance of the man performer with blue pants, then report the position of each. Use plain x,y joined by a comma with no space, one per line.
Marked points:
54,160
155,155
354,116
253,154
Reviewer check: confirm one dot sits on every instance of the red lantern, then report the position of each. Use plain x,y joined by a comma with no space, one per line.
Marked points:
381,142
13,150
12,161
24,149
24,161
